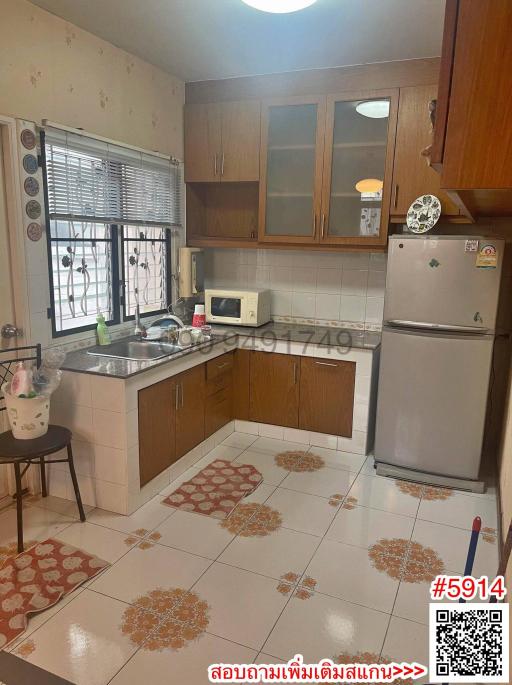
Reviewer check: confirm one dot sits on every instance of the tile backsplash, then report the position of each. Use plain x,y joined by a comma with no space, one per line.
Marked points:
327,288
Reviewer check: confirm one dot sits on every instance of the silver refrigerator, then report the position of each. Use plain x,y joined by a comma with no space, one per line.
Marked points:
437,343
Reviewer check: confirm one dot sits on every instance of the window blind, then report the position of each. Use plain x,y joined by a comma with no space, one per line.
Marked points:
91,180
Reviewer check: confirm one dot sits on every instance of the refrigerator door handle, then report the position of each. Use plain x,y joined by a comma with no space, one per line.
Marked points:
401,323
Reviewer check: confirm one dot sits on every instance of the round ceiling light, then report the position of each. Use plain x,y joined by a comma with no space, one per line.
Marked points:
279,6
375,109
369,185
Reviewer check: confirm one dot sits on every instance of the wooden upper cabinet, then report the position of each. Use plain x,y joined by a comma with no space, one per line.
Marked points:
475,138
157,434
274,388
358,163
203,142
292,145
222,141
190,430
327,396
412,175
240,156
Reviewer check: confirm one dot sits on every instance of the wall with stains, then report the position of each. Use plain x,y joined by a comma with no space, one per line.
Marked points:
51,69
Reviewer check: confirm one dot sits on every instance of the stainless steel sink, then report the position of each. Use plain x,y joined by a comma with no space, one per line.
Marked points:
136,350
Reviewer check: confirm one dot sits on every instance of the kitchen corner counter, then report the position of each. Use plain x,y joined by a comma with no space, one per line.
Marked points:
98,400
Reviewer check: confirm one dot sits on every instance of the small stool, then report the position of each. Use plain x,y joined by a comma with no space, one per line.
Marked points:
17,452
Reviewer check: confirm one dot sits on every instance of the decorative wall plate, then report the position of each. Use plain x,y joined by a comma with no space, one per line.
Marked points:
34,232
31,186
33,209
28,139
30,164
424,213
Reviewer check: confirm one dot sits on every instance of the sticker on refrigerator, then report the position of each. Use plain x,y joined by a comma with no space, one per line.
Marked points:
487,257
471,246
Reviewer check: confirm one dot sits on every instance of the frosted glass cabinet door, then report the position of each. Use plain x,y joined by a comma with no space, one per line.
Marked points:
357,171
290,184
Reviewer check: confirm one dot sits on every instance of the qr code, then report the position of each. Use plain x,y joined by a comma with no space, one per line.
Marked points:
469,643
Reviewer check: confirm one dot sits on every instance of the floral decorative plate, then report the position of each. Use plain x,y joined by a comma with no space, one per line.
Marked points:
423,214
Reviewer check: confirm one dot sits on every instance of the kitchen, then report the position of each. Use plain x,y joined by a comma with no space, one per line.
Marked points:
351,349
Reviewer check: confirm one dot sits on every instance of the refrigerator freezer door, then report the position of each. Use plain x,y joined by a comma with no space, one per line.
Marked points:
432,401
436,280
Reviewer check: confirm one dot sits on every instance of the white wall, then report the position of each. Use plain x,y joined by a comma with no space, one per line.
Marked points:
326,288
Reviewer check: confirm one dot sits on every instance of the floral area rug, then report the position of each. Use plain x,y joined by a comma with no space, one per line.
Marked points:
216,489
37,579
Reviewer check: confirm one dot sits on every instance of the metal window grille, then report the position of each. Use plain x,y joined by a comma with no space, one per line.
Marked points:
146,268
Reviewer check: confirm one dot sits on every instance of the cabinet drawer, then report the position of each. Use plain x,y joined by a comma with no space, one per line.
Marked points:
219,410
219,365
223,380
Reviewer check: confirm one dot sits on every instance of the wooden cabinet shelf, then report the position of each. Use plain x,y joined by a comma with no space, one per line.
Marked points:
472,143
412,175
331,211
222,142
226,211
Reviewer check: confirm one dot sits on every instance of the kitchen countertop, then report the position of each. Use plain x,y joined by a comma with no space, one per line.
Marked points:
81,362
304,333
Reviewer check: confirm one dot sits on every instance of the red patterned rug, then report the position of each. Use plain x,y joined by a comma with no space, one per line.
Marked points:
37,579
216,489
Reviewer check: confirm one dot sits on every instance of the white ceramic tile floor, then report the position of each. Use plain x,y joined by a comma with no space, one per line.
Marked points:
306,574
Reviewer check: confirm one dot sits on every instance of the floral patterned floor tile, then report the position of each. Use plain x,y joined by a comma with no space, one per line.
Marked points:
142,570
183,666
324,626
244,605
272,555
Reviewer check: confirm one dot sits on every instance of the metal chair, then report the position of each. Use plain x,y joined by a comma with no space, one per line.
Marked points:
28,452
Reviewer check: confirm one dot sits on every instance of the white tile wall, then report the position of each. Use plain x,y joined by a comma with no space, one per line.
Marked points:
327,288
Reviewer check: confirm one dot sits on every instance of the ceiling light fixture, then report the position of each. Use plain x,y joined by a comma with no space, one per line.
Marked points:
369,185
375,109
279,6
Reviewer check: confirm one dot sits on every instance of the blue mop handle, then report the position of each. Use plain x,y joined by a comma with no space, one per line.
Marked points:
470,560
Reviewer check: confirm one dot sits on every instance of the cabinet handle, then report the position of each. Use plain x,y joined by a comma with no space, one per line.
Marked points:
395,200
323,225
221,366
325,364
295,369
253,234
215,164
314,226
222,166
182,394
176,397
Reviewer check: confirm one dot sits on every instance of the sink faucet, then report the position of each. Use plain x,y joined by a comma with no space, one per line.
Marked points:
140,329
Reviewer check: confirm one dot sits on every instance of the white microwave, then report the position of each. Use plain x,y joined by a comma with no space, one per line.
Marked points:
237,307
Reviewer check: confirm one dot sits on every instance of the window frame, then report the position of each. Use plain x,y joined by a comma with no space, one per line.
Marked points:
117,243
168,276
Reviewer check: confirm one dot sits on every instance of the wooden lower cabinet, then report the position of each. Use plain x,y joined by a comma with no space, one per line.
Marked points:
157,429
327,396
190,413
241,384
177,414
274,389
219,393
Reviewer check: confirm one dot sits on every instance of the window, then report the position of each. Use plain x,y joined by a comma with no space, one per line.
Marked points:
111,211
145,269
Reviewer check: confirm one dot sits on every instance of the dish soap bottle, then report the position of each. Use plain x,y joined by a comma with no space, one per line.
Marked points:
102,331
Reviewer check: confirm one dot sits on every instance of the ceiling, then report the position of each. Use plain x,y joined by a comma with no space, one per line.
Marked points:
212,39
